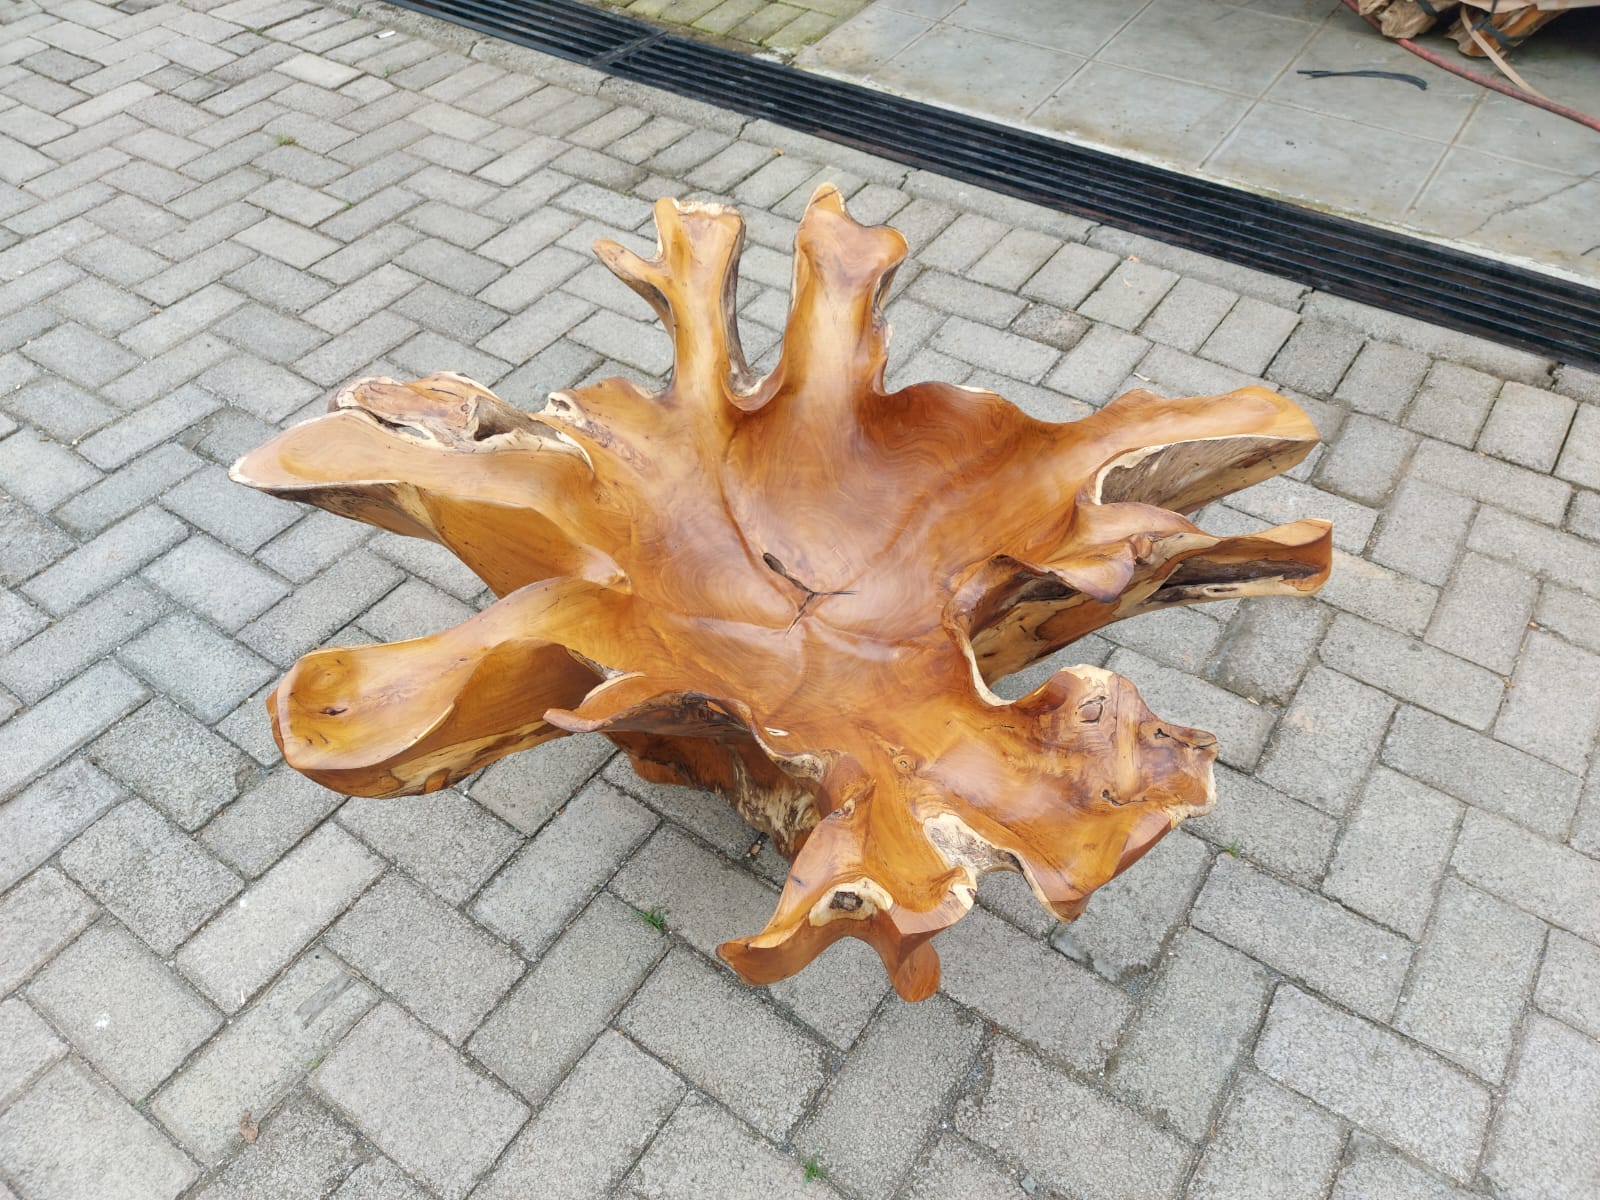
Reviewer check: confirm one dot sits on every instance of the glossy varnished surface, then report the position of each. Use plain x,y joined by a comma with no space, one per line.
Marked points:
794,590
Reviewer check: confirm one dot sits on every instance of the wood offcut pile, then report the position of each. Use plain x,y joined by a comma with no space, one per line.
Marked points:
1482,28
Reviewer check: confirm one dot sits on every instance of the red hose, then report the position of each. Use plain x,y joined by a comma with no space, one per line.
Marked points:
1505,89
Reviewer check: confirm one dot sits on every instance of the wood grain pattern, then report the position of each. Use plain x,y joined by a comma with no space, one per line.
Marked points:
794,590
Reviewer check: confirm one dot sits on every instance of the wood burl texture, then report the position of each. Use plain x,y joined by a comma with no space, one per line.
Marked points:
795,590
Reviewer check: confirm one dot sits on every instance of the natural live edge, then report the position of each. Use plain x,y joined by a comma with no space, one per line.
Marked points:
794,590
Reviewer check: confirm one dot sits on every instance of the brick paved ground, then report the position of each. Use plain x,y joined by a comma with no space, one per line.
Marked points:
1372,973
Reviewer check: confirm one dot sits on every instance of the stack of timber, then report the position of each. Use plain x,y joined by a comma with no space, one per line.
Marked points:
1498,24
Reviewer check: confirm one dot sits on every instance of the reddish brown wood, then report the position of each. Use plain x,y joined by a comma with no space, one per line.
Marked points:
795,590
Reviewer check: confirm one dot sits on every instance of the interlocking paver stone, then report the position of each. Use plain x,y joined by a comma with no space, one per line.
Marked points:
586,977
49,814
538,891
1195,1025
1332,1058
587,1136
38,917
433,960
1114,1151
261,1054
1471,979
702,1151
180,766
147,872
31,1047
419,1102
1304,936
1539,1144
1325,739
70,1134
249,941
1569,982
708,1027
304,1150
125,1011
1553,710
1270,1144
901,1072
1549,880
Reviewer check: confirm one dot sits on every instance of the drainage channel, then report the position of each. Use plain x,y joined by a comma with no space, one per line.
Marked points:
1545,314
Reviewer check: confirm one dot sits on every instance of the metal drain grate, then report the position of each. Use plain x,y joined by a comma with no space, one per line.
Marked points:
1517,307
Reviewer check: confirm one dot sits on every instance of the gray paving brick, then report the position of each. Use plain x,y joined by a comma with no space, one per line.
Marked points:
1315,358
1250,336
1527,426
1394,851
1327,735
586,976
1485,773
1549,880
125,1012
425,954
1188,314
54,406
41,473
310,614
1304,936
304,1150
1372,1169
261,1054
413,610
1583,518
1270,1145
955,1170
28,542
70,1134
1553,710
411,1094
524,790
1540,1144
1483,615
442,839
242,518
1471,980
1527,493
1366,460
1452,403
1123,930
705,1025
708,900
702,1151
80,354
250,941
257,829
1423,530
1413,670
47,660
165,655
1284,499
1196,1022
1127,295
379,1179
215,582
1382,379
1267,827
287,242
56,726
181,767
148,427
1269,645
1326,1055
98,564
1565,559
31,1047
1072,273
584,1140
1115,1152
963,297
1569,982
19,620
50,814
1580,457
133,485
1095,368
902,1072
37,917
1064,1009
534,896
